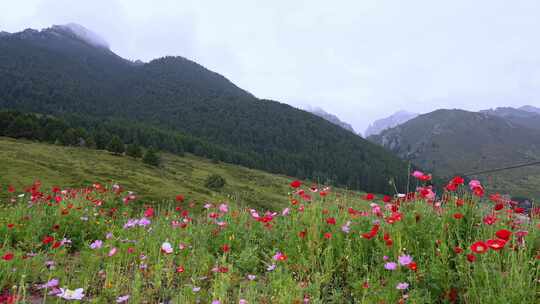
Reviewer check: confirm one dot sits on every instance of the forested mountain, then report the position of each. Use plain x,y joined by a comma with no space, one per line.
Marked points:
450,142
57,71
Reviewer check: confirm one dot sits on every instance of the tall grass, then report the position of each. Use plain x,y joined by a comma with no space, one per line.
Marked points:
334,248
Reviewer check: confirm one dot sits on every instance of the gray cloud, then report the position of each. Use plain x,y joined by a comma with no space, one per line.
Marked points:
360,60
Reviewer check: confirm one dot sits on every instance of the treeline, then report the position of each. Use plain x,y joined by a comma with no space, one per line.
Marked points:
116,136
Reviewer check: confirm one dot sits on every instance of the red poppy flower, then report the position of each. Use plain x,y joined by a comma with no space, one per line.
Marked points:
479,247
369,196
8,256
451,187
458,250
519,210
498,206
460,202
10,225
372,233
223,269
394,217
478,191
331,221
496,244
47,240
471,257
225,248
458,180
504,234
180,269
412,266
327,235
387,198
11,189
149,212
425,177
296,183
458,216
489,219
280,257
302,233
56,244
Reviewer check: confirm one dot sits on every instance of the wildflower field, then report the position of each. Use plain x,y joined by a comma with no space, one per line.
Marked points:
102,244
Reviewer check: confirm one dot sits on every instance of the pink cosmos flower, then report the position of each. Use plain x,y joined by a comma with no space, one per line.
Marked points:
113,251
96,244
346,228
224,208
122,299
285,211
418,174
390,266
402,286
405,260
144,222
51,284
279,256
474,183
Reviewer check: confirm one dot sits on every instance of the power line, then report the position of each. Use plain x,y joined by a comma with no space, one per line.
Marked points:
504,168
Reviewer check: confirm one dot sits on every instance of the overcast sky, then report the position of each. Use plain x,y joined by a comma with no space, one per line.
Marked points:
359,59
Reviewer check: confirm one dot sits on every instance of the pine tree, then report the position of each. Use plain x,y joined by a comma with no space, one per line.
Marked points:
151,157
134,150
116,146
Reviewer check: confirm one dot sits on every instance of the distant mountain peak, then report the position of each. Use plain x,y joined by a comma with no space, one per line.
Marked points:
82,33
328,116
391,121
529,108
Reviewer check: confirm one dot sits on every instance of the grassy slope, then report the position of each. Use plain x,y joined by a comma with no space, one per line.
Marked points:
22,162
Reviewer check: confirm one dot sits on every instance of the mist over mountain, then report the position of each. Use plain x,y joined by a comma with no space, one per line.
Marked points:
68,70
389,122
530,109
329,116
526,116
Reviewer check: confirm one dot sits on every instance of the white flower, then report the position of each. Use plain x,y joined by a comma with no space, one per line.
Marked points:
167,248
68,294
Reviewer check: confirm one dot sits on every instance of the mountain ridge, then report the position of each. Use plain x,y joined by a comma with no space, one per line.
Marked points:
452,142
